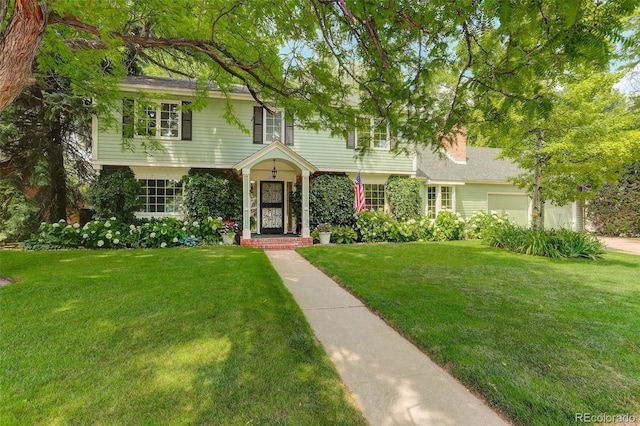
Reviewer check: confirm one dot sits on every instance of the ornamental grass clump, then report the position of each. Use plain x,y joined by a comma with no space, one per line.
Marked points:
554,243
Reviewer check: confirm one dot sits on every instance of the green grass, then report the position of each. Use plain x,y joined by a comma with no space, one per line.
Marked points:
173,336
540,339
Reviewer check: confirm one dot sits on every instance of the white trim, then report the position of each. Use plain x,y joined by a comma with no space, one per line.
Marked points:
444,183
157,103
167,164
267,153
264,125
216,94
94,138
452,158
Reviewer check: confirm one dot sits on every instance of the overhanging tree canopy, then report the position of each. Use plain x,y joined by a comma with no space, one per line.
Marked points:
414,63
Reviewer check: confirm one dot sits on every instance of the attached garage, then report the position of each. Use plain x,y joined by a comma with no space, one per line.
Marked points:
515,205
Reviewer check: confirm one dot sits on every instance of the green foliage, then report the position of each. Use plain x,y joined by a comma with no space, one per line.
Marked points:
343,235
404,198
212,193
115,194
331,200
17,213
481,222
374,226
616,208
115,234
448,226
577,144
554,243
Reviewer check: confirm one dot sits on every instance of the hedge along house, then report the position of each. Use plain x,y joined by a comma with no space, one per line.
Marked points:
270,159
470,179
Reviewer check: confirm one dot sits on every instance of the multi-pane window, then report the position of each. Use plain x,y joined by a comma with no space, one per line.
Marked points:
274,124
169,120
431,202
147,123
439,198
372,132
373,196
161,195
446,201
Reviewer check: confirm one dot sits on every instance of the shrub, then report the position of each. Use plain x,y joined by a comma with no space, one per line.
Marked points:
212,193
331,200
17,212
403,194
113,233
115,194
343,235
374,226
448,226
481,222
554,243
616,208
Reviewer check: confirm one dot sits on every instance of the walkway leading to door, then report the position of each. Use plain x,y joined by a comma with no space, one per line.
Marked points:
392,381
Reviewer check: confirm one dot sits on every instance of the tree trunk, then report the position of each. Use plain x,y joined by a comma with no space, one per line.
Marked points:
537,219
57,175
18,47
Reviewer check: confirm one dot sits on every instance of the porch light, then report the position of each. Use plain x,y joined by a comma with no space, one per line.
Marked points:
274,171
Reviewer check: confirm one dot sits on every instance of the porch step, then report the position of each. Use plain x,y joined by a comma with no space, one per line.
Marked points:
278,243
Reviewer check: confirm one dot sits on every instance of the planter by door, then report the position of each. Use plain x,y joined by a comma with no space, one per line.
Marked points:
325,237
271,207
228,238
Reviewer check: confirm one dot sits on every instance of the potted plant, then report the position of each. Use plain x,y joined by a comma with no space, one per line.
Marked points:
228,231
324,230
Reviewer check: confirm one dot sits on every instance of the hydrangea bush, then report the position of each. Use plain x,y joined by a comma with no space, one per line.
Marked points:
482,222
113,233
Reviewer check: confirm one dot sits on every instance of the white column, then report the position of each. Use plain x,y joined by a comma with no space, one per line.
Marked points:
246,204
306,232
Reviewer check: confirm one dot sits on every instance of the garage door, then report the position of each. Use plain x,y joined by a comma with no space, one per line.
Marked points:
517,206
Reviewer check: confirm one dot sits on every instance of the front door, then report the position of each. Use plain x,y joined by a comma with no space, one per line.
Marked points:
271,207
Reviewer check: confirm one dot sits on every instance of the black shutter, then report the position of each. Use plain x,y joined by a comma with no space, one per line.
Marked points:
127,117
186,122
351,140
288,131
257,124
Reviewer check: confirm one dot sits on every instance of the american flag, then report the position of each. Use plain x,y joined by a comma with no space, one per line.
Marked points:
358,202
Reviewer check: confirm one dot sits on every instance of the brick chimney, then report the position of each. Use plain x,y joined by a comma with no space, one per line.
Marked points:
456,147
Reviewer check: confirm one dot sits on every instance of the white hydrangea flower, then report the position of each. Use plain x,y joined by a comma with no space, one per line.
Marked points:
76,225
175,239
108,236
152,235
100,243
163,245
107,224
85,235
112,218
196,224
55,225
116,241
132,227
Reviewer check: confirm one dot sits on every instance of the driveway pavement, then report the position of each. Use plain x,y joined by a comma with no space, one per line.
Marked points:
627,245
392,381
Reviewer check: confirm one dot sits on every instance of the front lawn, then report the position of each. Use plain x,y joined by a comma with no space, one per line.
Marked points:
173,336
542,340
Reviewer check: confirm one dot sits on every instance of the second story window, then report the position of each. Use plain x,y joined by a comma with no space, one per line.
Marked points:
370,133
274,127
271,126
159,120
162,120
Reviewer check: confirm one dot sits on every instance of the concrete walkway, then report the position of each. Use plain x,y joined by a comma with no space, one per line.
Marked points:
627,245
390,379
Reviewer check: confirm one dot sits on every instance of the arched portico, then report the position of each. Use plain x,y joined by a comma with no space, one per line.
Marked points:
273,169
